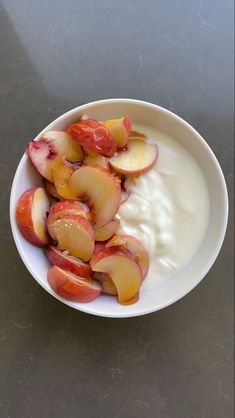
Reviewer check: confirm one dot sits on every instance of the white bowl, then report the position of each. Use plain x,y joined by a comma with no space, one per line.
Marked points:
179,285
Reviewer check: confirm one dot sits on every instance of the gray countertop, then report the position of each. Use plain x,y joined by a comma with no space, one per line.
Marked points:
55,361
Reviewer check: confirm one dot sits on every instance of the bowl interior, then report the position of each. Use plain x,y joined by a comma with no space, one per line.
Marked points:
185,280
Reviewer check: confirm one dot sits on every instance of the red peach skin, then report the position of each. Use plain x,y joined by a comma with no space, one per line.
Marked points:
99,246
71,287
60,209
93,135
31,213
68,262
53,145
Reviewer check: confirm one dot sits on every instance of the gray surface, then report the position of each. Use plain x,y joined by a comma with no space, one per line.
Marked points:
57,362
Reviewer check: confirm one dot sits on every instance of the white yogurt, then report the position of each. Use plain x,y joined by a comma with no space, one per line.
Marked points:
168,208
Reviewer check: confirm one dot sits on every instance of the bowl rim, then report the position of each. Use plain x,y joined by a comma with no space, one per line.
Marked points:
87,308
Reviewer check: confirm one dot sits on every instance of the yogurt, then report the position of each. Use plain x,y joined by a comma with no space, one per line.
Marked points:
168,208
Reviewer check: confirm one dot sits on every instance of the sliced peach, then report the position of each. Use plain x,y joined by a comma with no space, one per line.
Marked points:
139,158
51,190
63,208
68,262
74,234
119,129
51,146
123,270
31,215
61,175
96,160
108,286
42,156
101,190
72,287
93,135
88,151
99,246
103,233
65,145
135,247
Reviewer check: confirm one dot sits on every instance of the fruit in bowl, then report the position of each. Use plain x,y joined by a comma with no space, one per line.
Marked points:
123,206
80,169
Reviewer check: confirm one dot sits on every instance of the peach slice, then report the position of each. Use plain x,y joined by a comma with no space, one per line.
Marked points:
101,190
108,286
65,145
99,246
74,234
106,231
96,160
123,270
139,158
72,287
68,262
31,214
119,129
90,152
63,208
51,146
51,190
61,174
93,135
135,247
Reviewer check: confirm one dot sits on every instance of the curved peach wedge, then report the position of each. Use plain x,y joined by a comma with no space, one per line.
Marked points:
99,245
107,284
93,135
135,247
51,190
31,215
96,160
119,129
123,270
61,174
139,158
68,262
74,234
51,146
72,287
103,233
63,208
101,190
64,144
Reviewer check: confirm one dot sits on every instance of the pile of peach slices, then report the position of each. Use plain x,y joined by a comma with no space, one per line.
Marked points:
84,171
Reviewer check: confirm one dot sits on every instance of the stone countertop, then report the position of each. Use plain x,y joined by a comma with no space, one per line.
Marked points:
55,361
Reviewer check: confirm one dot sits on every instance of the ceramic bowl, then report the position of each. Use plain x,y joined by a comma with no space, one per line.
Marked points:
186,279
